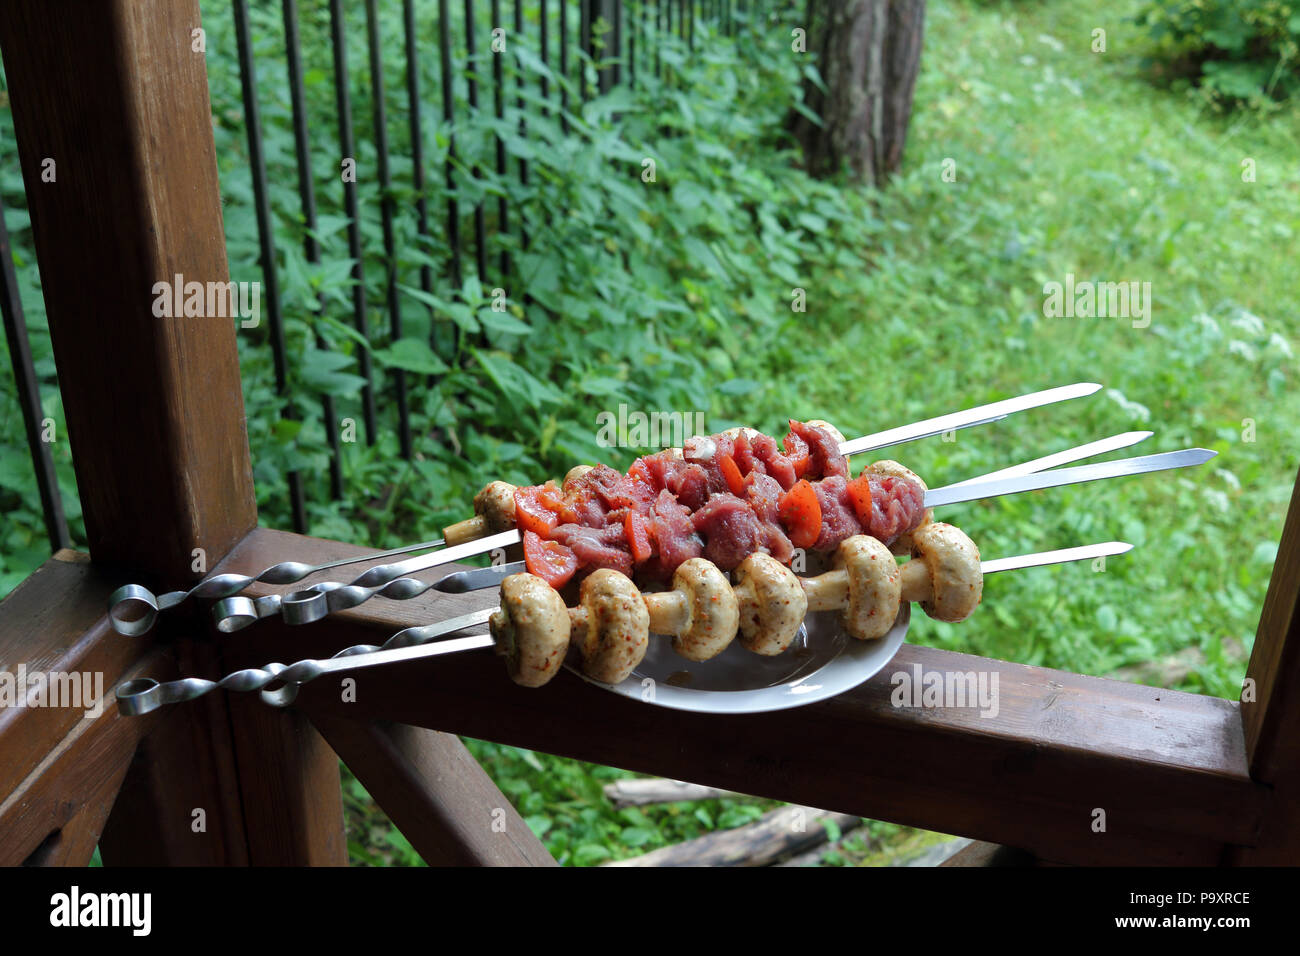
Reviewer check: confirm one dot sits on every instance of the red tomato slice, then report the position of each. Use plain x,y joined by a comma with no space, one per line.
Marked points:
859,490
533,513
549,560
731,472
637,533
796,449
801,513
551,496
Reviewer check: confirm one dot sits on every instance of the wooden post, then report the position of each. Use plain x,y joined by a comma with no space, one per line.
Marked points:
114,129
114,132
1270,706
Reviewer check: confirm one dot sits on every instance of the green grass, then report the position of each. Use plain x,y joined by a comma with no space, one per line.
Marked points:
1068,162
922,299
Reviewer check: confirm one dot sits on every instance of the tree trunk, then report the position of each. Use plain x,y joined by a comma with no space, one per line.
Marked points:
868,52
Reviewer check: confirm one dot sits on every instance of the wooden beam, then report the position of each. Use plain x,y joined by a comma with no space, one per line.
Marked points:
179,804
434,790
1271,704
989,854
289,783
1167,769
54,623
114,130
57,811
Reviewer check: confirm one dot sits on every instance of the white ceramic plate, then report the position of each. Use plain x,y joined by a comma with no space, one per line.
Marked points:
823,661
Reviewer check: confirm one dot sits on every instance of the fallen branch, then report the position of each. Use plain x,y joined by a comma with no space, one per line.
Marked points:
778,833
643,792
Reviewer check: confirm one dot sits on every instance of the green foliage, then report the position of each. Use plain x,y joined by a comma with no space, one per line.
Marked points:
1237,51
562,802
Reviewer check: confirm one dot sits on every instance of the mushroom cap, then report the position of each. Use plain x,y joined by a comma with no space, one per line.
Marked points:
770,622
531,629
889,468
714,611
875,587
953,561
496,503
618,626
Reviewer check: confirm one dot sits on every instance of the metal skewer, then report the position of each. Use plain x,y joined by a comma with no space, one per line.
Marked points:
389,580
1078,453
480,578
320,600
138,697
133,608
979,415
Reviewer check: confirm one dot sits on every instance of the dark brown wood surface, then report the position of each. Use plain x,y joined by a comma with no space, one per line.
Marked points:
1272,719
61,806
54,623
111,91
1167,768
433,789
989,854
185,764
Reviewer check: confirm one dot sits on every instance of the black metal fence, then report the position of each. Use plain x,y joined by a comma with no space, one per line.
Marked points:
585,48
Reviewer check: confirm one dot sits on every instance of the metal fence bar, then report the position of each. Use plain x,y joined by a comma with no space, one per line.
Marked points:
584,44
448,117
659,29
307,195
546,54
417,158
618,42
265,240
499,109
668,17
564,65
29,395
519,104
471,76
343,100
380,118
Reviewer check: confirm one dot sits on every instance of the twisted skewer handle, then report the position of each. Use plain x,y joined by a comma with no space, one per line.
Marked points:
138,697
133,608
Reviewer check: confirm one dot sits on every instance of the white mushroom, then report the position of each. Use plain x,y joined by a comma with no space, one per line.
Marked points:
531,629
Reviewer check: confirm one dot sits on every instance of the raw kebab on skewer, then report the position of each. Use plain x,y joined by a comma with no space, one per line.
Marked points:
610,628
723,497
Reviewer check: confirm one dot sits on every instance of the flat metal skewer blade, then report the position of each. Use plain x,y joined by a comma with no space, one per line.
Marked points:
479,578
1077,453
396,655
415,643
953,494
965,419
320,600
1087,552
450,555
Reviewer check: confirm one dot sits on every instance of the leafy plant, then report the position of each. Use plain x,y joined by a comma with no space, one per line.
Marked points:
1236,51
